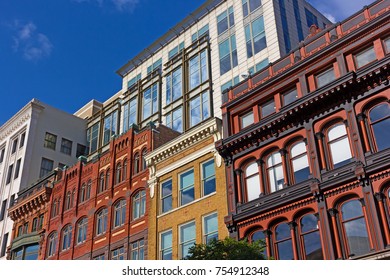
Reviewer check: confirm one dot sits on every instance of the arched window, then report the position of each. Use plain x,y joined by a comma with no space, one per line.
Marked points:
339,148
51,244
299,162
283,242
354,228
68,200
258,235
139,204
54,208
101,183
88,190
275,171
119,213
66,237
379,118
118,175
82,193
124,176
252,181
144,153
72,198
136,163
101,221
107,180
82,226
310,238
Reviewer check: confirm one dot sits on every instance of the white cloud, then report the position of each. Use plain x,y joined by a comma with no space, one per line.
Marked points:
32,44
120,5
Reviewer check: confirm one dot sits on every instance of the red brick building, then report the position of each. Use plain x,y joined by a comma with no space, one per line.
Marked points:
99,209
306,145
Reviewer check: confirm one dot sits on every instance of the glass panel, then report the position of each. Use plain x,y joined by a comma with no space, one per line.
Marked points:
325,77
357,237
379,112
336,132
308,223
247,120
290,97
285,250
382,134
187,238
253,187
211,227
251,169
297,149
341,152
301,168
365,57
282,231
351,209
313,248
208,177
267,108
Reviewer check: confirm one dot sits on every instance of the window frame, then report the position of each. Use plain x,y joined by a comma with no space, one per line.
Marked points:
81,230
197,67
186,188
183,243
231,55
372,123
162,249
336,140
65,149
138,204
213,176
246,177
252,40
153,104
293,158
362,52
119,213
205,234
302,234
170,96
249,113
50,141
101,222
248,7
66,238
51,244
163,198
274,168
204,112
138,248
318,82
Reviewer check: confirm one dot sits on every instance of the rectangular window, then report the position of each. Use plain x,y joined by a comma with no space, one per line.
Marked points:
298,21
248,6
198,73
4,245
137,250
9,174
3,208
246,119
387,45
155,66
66,146
187,238
12,200
174,120
174,85
325,77
99,258
129,114
262,64
268,108
228,55
289,96
210,228
46,167
187,193
203,31
118,254
225,20
199,108
255,37
150,101
133,80
231,83
81,150
17,168
286,33
2,151
110,127
166,245
166,196
365,57
310,18
14,146
175,50
22,138
50,141
92,137
34,225
208,177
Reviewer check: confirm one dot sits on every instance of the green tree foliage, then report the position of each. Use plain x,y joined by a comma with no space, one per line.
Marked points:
227,249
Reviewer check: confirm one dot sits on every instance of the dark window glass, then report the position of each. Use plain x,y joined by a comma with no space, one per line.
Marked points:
283,242
208,180
311,238
50,141
380,123
166,196
268,108
290,96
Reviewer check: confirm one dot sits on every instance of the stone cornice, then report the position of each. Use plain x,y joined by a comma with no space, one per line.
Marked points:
18,120
212,127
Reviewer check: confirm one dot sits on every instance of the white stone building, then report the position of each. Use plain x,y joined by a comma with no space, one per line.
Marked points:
36,140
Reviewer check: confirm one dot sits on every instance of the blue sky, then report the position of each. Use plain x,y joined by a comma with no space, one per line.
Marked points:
66,52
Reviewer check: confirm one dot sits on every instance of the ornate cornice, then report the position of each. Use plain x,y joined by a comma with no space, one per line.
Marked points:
19,119
212,127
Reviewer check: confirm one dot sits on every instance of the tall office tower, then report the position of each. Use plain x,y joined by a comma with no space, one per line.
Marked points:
33,142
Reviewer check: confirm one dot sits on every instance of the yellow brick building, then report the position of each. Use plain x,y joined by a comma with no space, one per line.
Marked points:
188,193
